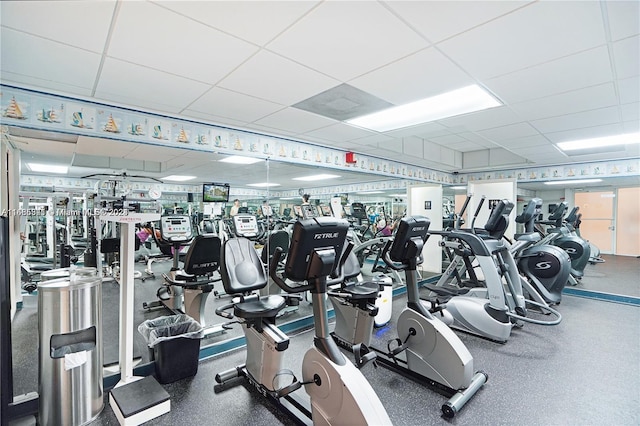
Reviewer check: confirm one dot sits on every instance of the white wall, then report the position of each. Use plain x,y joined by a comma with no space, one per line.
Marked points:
418,195
491,190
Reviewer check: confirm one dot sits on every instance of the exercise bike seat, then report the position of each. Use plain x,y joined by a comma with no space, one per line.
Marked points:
355,289
263,307
364,290
242,273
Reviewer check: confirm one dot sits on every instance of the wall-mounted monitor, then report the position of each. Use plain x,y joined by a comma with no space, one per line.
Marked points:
215,192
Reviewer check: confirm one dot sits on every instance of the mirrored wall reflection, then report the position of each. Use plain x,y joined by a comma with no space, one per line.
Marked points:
104,174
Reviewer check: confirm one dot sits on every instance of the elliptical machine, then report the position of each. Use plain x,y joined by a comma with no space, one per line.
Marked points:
488,308
560,235
339,393
546,267
426,349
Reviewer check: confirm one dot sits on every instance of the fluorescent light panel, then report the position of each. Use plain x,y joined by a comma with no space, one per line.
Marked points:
48,168
573,181
370,192
238,159
263,184
605,141
178,178
458,187
321,176
460,101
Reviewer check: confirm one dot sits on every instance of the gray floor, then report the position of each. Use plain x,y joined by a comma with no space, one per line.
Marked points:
584,371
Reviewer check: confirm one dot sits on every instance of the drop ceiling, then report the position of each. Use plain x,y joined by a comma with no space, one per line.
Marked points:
564,70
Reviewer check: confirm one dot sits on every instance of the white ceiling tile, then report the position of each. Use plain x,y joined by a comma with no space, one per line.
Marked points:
630,112
418,76
525,142
597,117
150,35
572,72
448,139
339,133
160,153
43,83
237,106
295,120
105,147
465,146
534,34
145,87
254,26
210,118
493,117
424,130
79,24
78,69
627,57
631,126
43,147
585,133
629,89
624,18
281,80
511,131
438,20
347,39
272,131
373,139
589,98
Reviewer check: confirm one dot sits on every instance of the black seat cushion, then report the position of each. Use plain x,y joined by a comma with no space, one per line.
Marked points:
364,290
203,256
264,307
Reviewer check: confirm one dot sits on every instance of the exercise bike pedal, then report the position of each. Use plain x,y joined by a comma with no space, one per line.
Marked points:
293,386
364,355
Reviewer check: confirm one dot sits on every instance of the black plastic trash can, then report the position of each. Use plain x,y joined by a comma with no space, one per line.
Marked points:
174,345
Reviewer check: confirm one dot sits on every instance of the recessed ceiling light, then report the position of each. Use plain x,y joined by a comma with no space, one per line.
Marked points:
263,184
573,181
460,101
178,178
457,188
238,159
48,168
605,141
321,176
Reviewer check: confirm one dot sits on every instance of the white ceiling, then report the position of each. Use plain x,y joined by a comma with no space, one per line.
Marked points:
564,70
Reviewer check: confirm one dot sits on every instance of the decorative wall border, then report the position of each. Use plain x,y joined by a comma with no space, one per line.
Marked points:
600,169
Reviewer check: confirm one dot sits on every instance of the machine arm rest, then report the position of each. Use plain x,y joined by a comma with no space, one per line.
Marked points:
222,310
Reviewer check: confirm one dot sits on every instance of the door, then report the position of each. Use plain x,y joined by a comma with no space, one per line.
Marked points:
628,222
598,224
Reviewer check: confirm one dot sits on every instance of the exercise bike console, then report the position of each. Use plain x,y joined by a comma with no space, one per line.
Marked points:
175,229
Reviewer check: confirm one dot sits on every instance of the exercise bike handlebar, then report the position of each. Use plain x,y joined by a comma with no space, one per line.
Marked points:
281,281
387,258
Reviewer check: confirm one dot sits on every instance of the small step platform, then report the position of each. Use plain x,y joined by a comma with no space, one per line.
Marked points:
140,401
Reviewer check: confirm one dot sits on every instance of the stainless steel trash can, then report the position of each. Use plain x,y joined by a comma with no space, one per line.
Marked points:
70,349
53,274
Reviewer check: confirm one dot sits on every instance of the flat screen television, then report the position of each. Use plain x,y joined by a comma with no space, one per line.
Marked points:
215,192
